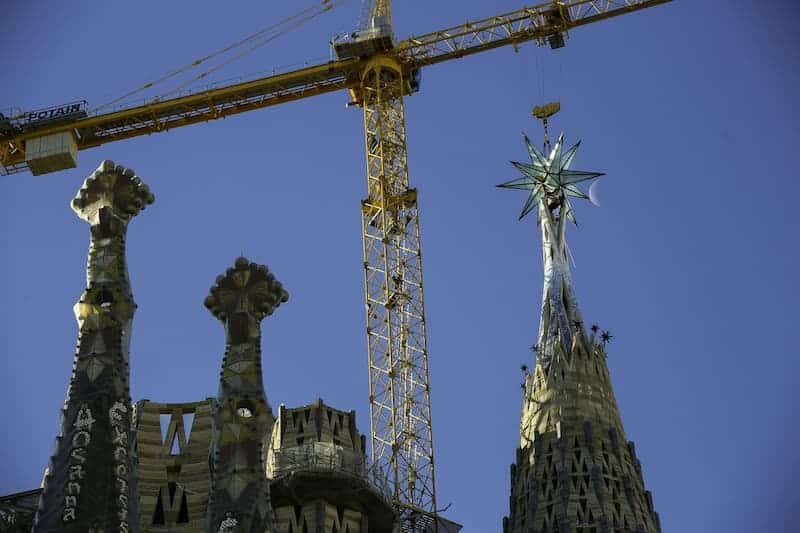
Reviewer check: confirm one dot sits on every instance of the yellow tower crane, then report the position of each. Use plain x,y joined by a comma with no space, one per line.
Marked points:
378,71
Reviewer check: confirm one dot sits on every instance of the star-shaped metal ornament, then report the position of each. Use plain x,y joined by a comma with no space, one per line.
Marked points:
550,178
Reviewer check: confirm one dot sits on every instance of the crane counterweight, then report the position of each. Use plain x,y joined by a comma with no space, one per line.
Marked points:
51,153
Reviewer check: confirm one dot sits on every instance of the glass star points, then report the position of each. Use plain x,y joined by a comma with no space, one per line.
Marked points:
550,176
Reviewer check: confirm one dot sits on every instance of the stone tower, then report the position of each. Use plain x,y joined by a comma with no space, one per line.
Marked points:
218,465
575,470
321,481
239,499
90,483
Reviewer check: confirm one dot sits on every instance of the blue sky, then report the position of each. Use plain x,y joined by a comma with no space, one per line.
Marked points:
690,261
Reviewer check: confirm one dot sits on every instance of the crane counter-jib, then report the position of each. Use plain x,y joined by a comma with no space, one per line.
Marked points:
162,115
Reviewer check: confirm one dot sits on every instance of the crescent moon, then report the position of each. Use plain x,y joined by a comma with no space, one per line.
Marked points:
593,194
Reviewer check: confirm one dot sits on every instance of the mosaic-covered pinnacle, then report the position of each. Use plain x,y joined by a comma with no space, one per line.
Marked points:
550,179
112,186
246,288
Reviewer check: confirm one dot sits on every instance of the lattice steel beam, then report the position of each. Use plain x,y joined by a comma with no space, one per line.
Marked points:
401,430
513,28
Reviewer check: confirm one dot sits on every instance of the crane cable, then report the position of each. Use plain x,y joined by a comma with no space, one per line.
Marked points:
304,15
330,4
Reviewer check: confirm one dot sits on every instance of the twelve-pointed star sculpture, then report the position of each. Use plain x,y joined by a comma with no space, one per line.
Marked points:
550,178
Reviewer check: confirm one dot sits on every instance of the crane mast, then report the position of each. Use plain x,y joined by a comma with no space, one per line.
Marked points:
401,430
378,73
399,392
382,8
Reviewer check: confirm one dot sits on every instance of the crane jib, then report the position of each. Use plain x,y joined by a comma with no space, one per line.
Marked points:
542,24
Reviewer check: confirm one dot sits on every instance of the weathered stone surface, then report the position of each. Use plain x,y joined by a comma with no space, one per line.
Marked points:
239,498
320,477
90,484
17,511
575,470
173,442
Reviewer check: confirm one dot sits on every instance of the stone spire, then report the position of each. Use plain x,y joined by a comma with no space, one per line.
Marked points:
239,499
575,470
90,483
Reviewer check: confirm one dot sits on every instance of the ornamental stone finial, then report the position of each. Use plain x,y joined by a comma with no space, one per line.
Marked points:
245,288
113,187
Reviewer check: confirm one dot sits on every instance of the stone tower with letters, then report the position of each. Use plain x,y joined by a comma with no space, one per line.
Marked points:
90,481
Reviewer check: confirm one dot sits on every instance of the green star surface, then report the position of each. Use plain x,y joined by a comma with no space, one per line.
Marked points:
550,176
